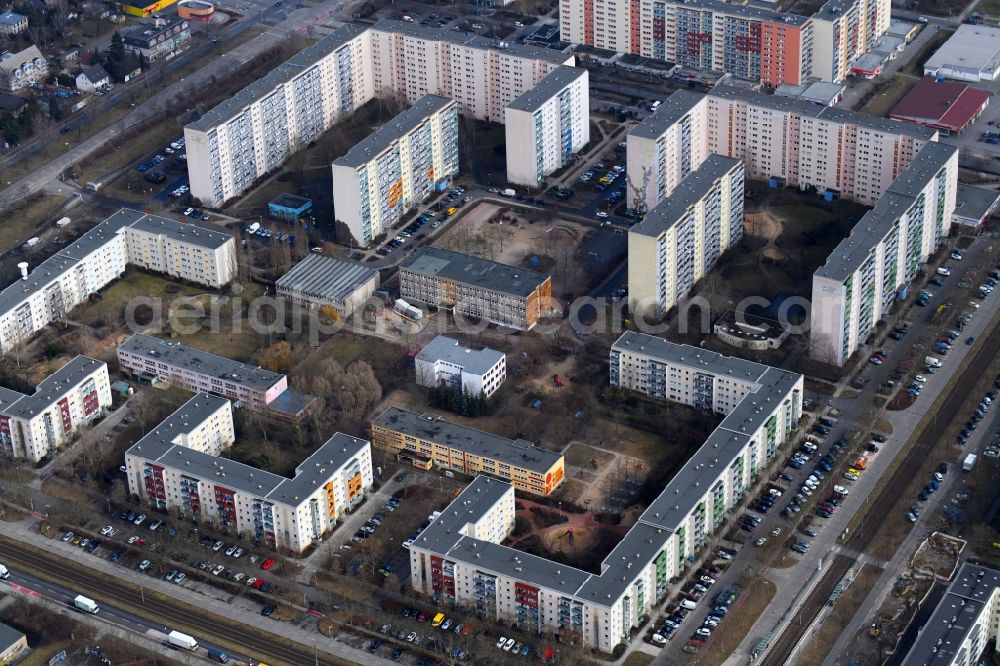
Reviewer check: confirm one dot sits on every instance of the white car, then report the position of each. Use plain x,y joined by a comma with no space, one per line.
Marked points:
920,379
106,531
508,645
601,214
922,19
973,305
704,631
840,490
139,519
760,542
500,643
776,531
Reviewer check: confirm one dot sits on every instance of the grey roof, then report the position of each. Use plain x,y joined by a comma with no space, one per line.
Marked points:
95,73
49,390
280,75
11,18
831,113
702,359
971,47
388,134
747,11
49,270
817,92
12,103
688,192
8,636
146,34
475,500
547,88
868,62
159,446
326,278
852,252
469,40
954,617
974,202
640,546
667,114
202,362
285,200
17,59
834,9
481,273
433,428
443,348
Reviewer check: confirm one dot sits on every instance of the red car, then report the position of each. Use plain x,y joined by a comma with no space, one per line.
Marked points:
423,616
257,583
267,564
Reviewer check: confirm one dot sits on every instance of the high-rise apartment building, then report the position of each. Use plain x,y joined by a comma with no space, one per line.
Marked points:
176,467
505,295
460,558
189,251
679,241
254,132
883,253
396,168
746,41
34,426
547,125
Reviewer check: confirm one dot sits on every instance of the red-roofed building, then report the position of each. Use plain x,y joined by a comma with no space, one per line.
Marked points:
947,106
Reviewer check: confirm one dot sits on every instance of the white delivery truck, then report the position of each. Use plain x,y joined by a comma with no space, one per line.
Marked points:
969,461
85,604
933,362
252,229
183,641
4,573
508,192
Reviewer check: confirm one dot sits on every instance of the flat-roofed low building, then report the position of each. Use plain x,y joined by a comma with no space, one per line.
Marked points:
505,295
13,643
395,168
964,623
177,468
974,204
971,54
547,125
817,92
444,361
317,281
34,426
430,441
155,359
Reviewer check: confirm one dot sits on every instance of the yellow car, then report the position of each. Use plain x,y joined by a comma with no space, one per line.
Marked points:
452,211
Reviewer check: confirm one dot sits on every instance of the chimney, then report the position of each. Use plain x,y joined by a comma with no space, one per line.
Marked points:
24,269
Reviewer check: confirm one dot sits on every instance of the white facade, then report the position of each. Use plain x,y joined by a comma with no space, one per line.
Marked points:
175,467
680,240
396,168
458,558
65,280
546,126
971,54
445,361
22,69
884,252
34,426
253,133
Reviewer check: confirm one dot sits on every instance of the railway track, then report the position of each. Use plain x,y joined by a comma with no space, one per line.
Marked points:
889,491
171,613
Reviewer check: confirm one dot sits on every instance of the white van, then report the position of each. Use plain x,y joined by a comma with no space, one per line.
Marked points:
4,573
688,604
944,271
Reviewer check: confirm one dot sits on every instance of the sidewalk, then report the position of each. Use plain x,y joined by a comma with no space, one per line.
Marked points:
223,604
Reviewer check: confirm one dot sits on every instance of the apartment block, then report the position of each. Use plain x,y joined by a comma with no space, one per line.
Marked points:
665,148
155,360
177,467
460,557
864,273
255,131
679,241
746,41
505,295
429,441
445,362
397,167
34,426
964,622
547,125
66,279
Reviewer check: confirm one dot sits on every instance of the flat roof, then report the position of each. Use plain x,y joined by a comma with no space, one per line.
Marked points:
971,47
946,104
876,224
326,278
159,446
49,270
482,273
748,11
8,636
50,389
973,202
285,200
831,113
671,110
280,75
432,428
703,359
470,40
688,192
954,617
817,92
476,362
12,18
386,136
547,88
869,62
194,360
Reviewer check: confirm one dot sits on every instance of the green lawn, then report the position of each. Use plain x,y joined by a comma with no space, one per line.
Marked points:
110,307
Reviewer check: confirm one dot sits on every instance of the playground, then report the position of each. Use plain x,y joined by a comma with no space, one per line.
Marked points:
521,237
